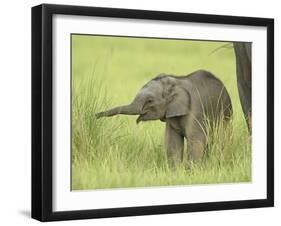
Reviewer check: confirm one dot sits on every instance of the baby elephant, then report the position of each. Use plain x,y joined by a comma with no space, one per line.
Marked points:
184,103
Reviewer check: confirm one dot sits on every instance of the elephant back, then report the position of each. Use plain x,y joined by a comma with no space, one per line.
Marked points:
209,96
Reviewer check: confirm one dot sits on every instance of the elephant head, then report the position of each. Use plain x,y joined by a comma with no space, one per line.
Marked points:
160,98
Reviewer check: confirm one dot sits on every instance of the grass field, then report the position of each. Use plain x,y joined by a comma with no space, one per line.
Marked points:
116,152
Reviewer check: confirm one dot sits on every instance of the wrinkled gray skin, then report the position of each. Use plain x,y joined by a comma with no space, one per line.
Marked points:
181,102
243,55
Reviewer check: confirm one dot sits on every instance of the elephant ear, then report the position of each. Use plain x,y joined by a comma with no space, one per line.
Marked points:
179,102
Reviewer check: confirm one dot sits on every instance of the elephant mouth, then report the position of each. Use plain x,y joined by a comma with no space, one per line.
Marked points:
139,119
142,117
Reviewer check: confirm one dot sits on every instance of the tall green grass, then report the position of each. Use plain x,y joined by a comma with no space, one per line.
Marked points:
116,152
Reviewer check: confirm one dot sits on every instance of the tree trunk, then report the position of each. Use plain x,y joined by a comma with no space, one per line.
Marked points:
243,53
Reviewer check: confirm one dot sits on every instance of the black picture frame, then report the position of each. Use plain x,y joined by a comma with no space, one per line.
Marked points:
42,106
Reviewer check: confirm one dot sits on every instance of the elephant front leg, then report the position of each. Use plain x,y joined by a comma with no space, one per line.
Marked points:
196,144
174,143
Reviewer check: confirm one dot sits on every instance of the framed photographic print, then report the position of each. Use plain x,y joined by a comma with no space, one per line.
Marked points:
145,112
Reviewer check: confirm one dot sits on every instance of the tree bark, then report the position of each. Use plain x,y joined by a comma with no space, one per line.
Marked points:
243,53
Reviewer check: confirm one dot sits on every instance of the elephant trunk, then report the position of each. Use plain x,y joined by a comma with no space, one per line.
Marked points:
131,109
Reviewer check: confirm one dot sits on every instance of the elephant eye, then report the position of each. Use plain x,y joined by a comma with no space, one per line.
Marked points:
149,101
